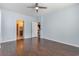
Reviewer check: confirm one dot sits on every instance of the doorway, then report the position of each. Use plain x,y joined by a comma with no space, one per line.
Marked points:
19,29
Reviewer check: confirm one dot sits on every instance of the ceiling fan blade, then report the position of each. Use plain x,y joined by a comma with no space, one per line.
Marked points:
43,7
31,7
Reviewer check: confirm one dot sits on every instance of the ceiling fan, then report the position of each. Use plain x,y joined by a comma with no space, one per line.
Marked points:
37,7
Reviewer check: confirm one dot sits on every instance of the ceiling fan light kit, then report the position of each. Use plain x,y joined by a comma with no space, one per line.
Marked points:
36,7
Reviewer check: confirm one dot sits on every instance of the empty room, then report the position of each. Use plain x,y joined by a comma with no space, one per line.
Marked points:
39,29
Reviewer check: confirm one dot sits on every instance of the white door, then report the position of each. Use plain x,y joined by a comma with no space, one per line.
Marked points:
34,29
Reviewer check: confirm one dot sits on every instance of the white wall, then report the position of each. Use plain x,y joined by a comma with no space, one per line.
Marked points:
0,25
62,26
9,25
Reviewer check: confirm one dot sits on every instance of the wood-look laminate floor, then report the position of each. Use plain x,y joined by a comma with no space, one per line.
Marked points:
36,47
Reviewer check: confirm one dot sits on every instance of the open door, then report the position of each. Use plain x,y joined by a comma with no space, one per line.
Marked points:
34,29
19,29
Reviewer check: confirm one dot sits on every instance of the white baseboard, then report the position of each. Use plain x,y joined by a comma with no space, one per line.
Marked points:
75,45
11,40
7,41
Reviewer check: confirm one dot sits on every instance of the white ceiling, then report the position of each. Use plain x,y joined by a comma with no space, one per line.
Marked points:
22,7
